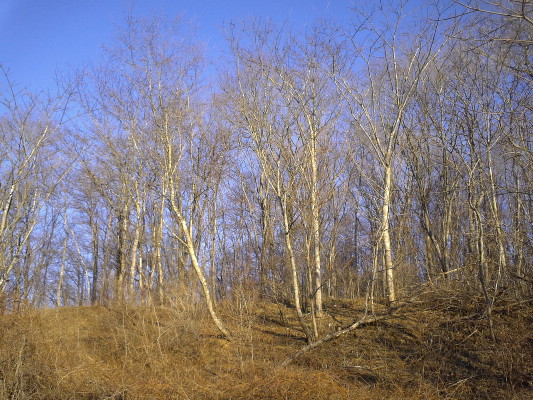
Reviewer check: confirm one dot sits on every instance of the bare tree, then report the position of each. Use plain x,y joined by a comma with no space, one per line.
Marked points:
393,56
158,154
30,127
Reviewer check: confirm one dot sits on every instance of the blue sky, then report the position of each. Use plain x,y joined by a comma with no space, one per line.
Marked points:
40,37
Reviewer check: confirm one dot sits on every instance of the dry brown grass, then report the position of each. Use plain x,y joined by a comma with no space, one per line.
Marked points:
436,348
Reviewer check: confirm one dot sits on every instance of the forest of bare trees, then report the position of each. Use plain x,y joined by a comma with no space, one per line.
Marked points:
362,160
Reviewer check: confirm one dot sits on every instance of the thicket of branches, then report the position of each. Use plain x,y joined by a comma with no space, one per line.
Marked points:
343,161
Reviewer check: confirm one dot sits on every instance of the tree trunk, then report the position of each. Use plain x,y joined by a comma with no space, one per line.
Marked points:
317,290
189,244
122,226
95,246
62,271
387,248
201,277
294,270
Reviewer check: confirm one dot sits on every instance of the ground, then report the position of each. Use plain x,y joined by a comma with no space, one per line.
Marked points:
435,346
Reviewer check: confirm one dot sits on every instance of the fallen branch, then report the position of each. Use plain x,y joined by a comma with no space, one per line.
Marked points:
366,320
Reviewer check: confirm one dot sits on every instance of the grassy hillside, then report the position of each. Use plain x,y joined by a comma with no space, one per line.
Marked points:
436,347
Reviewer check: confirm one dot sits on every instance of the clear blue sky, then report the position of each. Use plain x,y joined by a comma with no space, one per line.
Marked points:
40,37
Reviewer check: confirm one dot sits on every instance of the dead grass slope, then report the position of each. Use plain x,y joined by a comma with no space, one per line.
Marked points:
435,348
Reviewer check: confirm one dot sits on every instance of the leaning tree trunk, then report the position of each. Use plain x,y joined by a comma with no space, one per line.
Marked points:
189,244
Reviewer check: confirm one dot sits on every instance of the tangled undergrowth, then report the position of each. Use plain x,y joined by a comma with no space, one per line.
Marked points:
435,347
